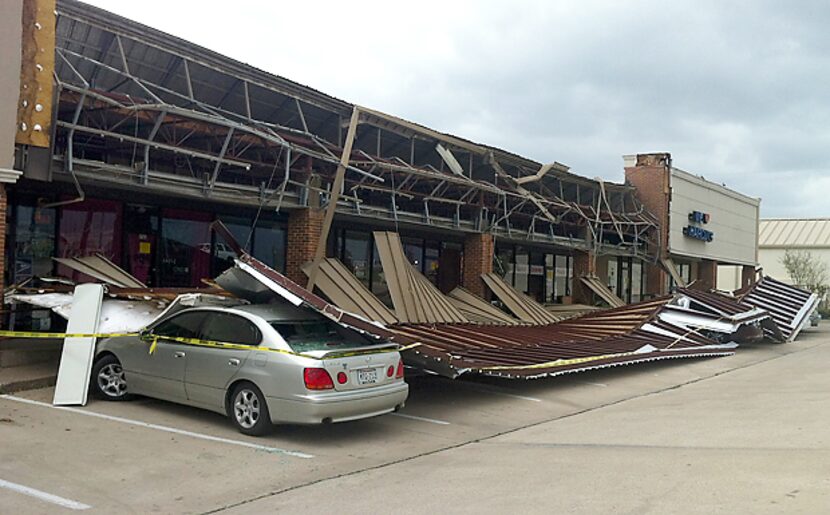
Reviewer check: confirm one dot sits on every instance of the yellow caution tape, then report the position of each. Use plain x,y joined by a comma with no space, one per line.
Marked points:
30,334
154,339
559,362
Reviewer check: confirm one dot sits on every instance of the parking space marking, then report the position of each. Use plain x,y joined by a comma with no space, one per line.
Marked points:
276,450
44,496
422,419
495,391
594,384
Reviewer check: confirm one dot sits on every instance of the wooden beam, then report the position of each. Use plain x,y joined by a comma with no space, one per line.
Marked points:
339,177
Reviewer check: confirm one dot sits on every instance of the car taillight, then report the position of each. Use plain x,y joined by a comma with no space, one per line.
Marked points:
342,377
390,371
317,379
399,374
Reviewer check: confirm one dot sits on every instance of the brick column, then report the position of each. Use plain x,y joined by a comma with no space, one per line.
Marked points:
747,275
583,265
478,260
650,175
304,226
707,275
657,280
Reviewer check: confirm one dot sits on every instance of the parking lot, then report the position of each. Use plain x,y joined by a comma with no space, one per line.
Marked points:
623,439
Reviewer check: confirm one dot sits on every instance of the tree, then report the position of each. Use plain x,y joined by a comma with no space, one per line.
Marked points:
806,271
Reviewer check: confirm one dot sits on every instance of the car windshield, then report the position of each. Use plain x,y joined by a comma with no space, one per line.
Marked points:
309,335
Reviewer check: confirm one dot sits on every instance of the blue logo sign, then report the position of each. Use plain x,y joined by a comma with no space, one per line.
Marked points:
698,233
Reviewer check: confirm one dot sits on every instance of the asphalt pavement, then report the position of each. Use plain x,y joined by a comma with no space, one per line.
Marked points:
739,434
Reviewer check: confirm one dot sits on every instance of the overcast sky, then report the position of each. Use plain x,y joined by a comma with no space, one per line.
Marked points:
738,93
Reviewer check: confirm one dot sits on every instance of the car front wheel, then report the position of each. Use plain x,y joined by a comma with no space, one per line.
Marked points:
108,379
248,410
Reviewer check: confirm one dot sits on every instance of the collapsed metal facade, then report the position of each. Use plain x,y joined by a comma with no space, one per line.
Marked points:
137,108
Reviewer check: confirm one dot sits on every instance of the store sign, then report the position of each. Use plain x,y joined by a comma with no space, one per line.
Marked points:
696,232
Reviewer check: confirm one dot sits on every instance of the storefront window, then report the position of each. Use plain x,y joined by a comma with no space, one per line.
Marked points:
613,276
562,280
550,278
141,227
414,250
522,269
269,244
34,243
504,265
625,279
432,255
223,254
536,276
185,248
356,254
88,228
636,281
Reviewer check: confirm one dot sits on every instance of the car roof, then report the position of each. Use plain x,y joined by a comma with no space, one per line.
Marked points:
279,312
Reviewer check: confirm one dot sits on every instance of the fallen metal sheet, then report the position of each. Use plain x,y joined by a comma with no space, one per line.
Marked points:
564,311
602,291
625,335
117,316
288,291
789,306
476,309
100,268
523,307
346,291
415,298
722,318
530,352
76,359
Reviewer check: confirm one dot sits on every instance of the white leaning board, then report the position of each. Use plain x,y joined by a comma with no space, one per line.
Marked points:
76,359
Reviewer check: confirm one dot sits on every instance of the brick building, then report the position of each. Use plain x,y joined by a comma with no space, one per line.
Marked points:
143,139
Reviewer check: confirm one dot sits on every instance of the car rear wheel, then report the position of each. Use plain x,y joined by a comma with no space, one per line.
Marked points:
248,410
108,379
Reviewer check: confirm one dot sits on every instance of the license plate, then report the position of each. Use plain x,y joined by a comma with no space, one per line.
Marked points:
367,376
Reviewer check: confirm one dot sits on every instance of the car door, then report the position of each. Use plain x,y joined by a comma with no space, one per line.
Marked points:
211,369
161,374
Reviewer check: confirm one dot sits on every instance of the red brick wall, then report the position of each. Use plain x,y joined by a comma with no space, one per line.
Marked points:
747,275
651,178
304,227
583,265
478,259
707,275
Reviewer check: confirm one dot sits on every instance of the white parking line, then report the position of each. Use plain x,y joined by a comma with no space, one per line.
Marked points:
422,419
167,429
44,496
594,384
495,390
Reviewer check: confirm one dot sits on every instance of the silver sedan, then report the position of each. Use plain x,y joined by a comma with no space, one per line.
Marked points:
300,368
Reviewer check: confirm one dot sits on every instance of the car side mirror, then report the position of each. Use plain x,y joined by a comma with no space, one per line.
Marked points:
145,335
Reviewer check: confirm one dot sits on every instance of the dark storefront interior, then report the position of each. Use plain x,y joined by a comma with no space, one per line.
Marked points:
160,246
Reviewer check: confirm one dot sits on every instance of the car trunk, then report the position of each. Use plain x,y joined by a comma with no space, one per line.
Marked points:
364,367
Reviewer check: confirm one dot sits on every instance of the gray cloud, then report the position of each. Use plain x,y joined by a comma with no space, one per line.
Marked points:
735,90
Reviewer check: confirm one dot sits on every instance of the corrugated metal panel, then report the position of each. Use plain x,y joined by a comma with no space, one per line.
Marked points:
813,232
522,306
101,268
789,306
477,309
598,287
416,300
626,335
344,289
